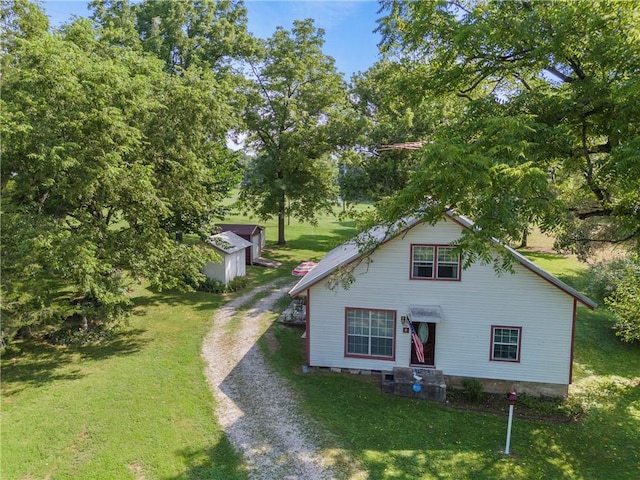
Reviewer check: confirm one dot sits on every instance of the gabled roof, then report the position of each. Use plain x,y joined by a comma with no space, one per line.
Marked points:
350,251
228,242
240,228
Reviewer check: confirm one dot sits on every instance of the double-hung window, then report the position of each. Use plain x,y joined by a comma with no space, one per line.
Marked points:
370,333
435,262
505,343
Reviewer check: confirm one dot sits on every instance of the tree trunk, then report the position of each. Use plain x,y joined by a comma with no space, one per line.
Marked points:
281,220
523,242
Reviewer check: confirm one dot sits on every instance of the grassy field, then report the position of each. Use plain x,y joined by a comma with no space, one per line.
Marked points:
139,407
136,407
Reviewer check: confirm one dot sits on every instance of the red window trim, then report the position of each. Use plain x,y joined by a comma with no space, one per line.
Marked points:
370,357
517,360
436,246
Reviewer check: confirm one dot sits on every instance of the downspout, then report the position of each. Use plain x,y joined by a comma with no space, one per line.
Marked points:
573,337
307,328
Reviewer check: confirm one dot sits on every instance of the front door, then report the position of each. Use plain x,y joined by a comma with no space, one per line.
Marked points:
427,333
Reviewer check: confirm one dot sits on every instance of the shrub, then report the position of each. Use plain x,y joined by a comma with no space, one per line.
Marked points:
602,278
474,388
624,302
237,283
214,286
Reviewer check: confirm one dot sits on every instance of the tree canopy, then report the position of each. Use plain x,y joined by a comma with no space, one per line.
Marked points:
292,105
549,129
104,156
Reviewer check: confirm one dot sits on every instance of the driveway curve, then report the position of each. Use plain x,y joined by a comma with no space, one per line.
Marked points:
255,406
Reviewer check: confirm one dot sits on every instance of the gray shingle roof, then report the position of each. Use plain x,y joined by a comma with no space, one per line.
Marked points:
228,242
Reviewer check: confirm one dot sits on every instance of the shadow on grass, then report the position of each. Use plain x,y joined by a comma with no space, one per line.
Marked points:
598,351
220,461
173,298
38,363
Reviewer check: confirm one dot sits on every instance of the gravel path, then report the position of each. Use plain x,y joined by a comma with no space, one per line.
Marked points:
256,408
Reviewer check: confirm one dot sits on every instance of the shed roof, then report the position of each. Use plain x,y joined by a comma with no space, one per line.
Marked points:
351,251
240,228
228,242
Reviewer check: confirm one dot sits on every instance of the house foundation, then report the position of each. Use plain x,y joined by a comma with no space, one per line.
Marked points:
535,389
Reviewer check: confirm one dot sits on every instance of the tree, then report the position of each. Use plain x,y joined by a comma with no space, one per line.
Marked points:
184,33
292,105
20,19
388,120
625,302
550,131
352,178
101,150
197,41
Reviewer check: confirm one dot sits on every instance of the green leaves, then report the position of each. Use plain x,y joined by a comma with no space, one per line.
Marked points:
549,119
291,108
104,156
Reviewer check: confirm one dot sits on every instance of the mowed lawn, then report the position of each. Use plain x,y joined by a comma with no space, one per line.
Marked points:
139,406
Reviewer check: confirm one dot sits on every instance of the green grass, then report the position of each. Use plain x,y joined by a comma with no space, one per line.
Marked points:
136,407
139,406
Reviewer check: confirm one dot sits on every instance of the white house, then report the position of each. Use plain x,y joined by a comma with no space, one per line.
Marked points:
232,250
252,233
509,330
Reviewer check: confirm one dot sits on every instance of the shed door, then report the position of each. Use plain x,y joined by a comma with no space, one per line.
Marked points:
427,333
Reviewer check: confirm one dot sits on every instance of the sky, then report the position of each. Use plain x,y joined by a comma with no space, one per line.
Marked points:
348,25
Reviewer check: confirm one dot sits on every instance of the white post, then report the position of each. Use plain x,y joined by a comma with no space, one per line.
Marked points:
506,448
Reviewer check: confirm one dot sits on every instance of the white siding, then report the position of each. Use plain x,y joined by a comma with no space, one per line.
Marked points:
255,245
232,266
469,307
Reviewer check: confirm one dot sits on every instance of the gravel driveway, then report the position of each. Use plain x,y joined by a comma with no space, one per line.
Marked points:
256,408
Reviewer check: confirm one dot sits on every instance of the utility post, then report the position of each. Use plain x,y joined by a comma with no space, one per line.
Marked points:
512,397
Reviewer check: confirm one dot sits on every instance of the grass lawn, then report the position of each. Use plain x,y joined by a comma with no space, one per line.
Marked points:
139,406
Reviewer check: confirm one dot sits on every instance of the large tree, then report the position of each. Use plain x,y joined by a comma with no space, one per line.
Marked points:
387,120
183,33
198,43
101,149
550,129
292,104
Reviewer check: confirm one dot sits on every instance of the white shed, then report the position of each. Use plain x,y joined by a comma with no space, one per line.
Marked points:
232,250
509,330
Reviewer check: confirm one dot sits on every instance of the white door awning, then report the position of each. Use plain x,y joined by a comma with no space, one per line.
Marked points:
425,313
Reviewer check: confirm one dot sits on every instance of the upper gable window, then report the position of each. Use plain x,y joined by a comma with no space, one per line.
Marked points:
435,262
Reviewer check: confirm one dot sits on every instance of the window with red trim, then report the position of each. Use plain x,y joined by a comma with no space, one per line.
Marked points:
370,332
505,343
435,262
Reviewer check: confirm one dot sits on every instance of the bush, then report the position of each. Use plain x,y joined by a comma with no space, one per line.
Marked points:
237,284
210,286
602,278
624,302
75,335
474,388
214,286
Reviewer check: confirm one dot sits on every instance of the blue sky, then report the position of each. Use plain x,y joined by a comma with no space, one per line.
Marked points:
348,25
